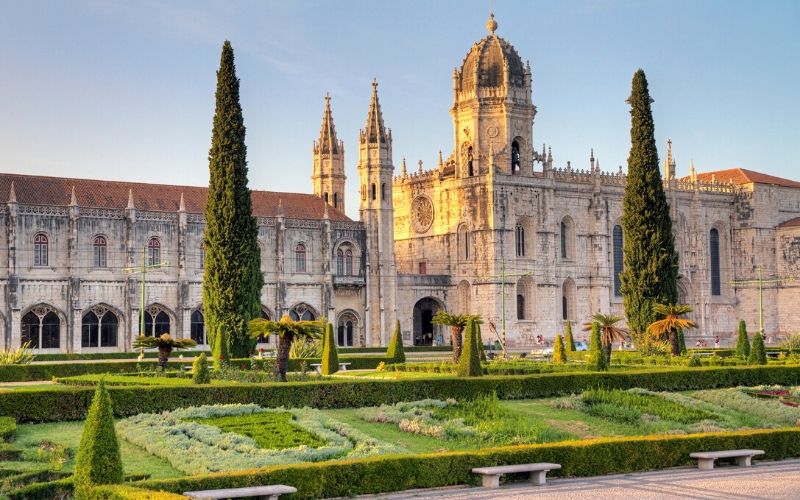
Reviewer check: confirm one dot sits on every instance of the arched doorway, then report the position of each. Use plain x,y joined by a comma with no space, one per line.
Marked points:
425,332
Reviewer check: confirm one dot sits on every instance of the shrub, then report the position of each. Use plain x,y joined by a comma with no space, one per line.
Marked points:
570,343
125,492
19,356
479,342
681,342
694,361
98,460
792,343
8,427
469,364
597,358
330,358
29,373
743,342
306,349
559,353
758,355
395,352
201,374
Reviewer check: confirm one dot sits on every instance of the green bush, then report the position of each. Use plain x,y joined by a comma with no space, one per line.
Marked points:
401,472
124,492
201,373
71,403
597,358
395,353
570,342
758,355
330,358
681,342
742,342
29,373
8,427
559,352
98,460
469,364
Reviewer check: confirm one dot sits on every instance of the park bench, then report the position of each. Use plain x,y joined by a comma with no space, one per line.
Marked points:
317,367
491,475
261,492
705,459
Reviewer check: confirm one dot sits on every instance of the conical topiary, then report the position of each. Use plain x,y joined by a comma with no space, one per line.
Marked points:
681,342
559,351
395,351
758,353
597,358
200,371
479,342
330,357
98,460
568,336
469,364
743,342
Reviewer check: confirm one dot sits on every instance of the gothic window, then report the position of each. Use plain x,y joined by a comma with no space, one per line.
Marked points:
470,168
335,200
618,260
99,328
516,160
520,306
100,251
42,328
383,191
156,322
374,192
463,242
345,335
340,262
325,196
203,256
716,286
568,300
348,262
520,240
302,312
40,250
153,252
525,288
300,258
567,236
197,327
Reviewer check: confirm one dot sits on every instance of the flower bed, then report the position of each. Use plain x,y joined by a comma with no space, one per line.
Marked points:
745,400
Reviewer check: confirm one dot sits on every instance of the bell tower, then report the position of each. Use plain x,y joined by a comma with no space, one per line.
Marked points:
492,109
328,177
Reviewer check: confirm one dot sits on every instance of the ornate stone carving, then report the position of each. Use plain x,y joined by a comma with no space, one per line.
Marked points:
421,214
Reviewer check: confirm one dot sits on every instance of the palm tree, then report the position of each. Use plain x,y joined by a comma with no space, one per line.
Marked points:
457,323
165,344
609,331
671,323
287,330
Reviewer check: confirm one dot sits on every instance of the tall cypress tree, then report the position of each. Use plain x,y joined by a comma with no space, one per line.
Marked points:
651,264
232,281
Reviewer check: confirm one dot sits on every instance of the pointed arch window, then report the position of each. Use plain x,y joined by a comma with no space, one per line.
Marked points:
519,233
325,197
202,263
99,328
348,262
197,327
383,191
42,328
340,262
374,192
463,242
470,163
716,281
335,200
516,158
156,322
153,252
100,251
302,312
40,250
619,262
567,237
300,258
520,306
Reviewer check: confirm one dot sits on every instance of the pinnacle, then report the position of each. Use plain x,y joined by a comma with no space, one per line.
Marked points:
327,136
374,129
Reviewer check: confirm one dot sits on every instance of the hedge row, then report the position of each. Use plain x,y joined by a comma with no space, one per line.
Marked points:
109,355
8,427
34,372
71,403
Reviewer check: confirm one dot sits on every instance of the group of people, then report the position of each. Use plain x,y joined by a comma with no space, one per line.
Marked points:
703,343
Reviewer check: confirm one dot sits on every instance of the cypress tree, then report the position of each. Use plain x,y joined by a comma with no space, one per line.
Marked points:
743,342
568,334
330,357
479,342
469,364
681,342
98,460
200,372
650,264
597,357
233,280
758,353
559,351
395,351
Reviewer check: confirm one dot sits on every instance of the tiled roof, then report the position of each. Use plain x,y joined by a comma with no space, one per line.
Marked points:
791,223
42,190
744,176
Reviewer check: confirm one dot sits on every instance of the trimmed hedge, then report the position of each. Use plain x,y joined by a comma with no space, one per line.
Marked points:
108,355
71,403
401,472
8,427
34,372
124,492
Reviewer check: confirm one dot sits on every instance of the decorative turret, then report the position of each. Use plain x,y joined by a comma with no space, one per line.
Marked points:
669,163
328,178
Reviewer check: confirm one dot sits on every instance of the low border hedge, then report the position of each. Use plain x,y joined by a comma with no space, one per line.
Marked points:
58,404
8,427
74,356
34,372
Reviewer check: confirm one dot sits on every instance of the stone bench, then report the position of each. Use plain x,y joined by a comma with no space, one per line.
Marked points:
343,366
260,492
705,459
491,475
317,367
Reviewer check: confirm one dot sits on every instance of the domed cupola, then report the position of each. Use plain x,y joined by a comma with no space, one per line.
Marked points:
488,61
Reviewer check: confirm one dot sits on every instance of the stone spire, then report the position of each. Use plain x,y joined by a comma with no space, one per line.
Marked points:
327,135
441,162
692,171
374,131
12,194
130,206
181,205
669,163
405,172
73,200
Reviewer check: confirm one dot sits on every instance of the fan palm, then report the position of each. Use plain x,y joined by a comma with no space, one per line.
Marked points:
287,330
165,344
609,331
457,323
671,323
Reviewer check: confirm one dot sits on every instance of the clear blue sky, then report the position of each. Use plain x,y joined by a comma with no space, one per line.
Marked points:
125,89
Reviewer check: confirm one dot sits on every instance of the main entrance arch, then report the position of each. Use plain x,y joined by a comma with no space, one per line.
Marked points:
425,332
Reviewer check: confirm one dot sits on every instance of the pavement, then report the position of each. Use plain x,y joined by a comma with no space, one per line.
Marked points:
765,480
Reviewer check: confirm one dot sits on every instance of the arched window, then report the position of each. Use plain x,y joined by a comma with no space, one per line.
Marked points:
202,263
40,250
567,236
197,327
339,262
470,168
153,252
383,191
463,242
261,338
100,253
345,334
618,260
716,281
302,312
516,159
525,290
335,200
325,197
348,262
374,192
520,240
520,306
300,258
568,300
99,328
42,328
156,322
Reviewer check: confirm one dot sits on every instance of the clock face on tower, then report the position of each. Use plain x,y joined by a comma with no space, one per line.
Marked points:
421,214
